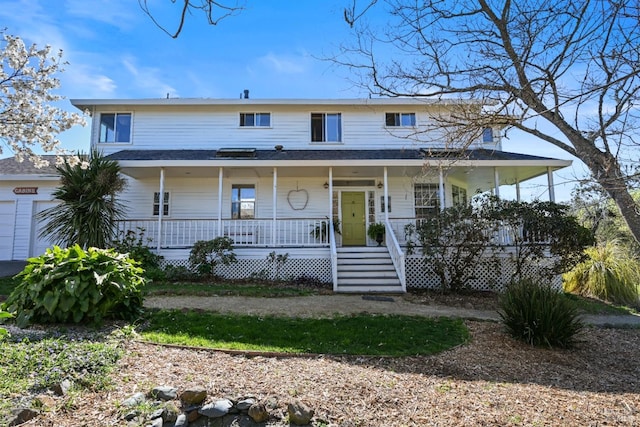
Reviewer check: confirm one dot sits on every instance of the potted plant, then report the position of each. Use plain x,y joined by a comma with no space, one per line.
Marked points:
376,232
321,231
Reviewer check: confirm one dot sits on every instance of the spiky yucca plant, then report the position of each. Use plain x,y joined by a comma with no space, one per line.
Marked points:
610,273
539,315
88,208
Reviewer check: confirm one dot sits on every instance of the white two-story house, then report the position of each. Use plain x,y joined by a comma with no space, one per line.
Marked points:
271,173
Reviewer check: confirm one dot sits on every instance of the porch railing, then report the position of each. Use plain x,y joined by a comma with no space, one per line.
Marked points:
183,233
397,256
502,234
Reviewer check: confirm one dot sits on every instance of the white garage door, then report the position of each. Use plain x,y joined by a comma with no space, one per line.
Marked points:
39,245
7,228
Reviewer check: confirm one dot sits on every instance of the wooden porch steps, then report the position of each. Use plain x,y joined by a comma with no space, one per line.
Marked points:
366,270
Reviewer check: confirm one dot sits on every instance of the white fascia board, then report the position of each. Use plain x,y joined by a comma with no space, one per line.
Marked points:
84,104
555,163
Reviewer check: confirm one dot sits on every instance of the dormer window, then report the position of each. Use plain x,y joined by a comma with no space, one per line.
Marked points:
487,135
255,119
115,127
400,119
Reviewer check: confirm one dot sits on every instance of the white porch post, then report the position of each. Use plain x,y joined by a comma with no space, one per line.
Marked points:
275,206
441,188
517,190
330,194
552,193
496,182
160,209
386,196
220,176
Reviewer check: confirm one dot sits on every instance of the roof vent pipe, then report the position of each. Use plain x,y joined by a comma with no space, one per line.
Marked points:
246,94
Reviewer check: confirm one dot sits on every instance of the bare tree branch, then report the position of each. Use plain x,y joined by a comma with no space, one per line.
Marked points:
215,12
563,71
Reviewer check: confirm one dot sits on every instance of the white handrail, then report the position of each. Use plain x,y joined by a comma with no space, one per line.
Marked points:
334,256
397,256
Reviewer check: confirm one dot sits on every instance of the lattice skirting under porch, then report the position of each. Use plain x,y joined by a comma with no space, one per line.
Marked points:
489,276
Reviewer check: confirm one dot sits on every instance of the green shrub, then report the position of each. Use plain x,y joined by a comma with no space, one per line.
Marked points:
207,254
74,285
136,245
539,315
609,273
3,332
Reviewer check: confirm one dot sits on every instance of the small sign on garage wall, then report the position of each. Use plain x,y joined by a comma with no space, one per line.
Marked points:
25,190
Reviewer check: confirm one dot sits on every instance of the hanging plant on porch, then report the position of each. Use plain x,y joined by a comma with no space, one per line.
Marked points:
376,232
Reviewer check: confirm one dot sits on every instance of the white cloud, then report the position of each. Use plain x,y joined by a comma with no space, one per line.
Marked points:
147,80
118,13
284,64
84,81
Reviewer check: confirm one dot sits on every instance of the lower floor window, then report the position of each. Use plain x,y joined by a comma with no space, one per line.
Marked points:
458,195
156,204
427,200
243,201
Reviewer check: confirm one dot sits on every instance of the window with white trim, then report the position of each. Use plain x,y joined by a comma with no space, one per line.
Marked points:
326,127
255,119
458,195
243,201
427,200
115,127
487,135
165,204
400,119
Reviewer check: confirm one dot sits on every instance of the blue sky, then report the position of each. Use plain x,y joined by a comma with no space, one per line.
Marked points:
272,48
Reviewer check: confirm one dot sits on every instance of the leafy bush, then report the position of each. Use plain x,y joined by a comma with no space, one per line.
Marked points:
539,315
3,332
207,254
74,285
136,245
609,273
534,227
453,241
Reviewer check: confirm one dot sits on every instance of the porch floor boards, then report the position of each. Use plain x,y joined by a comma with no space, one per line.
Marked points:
366,269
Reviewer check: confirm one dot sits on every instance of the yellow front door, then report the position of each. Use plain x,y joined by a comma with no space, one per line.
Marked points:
353,219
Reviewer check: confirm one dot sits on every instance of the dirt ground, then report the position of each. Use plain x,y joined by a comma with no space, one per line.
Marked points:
490,381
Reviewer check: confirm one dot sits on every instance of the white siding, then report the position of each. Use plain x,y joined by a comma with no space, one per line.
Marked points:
212,127
7,227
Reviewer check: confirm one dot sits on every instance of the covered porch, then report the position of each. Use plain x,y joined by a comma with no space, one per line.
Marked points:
286,201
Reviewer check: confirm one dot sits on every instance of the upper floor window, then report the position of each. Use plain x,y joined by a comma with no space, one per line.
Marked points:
400,119
255,119
326,127
115,127
427,200
243,201
487,135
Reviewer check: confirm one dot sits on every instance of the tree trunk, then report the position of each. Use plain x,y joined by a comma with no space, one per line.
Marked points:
607,172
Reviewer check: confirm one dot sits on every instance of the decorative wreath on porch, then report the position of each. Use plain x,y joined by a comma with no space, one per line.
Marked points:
298,198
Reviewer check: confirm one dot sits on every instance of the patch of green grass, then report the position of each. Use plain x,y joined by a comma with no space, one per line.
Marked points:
352,335
226,289
595,306
33,366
